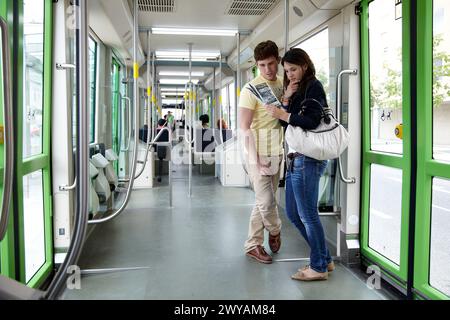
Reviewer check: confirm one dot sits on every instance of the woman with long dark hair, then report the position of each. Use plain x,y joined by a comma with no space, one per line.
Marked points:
303,102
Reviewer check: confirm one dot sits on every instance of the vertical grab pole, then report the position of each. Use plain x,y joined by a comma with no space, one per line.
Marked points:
191,122
214,98
286,26
135,92
153,102
149,94
186,101
220,98
82,163
147,111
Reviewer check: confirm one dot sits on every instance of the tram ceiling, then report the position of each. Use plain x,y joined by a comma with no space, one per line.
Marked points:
255,20
201,14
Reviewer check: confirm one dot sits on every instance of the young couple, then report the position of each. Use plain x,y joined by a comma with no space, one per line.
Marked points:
261,126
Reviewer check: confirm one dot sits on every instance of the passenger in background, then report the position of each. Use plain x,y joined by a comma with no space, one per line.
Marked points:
261,138
170,120
204,118
303,173
161,123
224,124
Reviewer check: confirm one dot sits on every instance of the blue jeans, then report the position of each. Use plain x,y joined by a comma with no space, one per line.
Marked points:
302,193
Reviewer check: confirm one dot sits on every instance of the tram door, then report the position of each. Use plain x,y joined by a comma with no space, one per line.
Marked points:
31,258
389,140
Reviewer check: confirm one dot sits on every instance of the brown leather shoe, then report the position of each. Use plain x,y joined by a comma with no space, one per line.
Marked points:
260,254
275,242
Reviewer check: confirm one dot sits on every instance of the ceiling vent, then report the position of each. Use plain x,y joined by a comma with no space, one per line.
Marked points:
162,6
250,7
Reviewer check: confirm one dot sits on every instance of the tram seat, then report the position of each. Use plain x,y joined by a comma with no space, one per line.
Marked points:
143,133
101,184
206,140
94,203
205,143
110,173
227,134
96,148
161,151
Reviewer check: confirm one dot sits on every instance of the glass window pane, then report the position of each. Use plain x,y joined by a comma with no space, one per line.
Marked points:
385,54
326,187
385,211
33,77
33,204
224,105
92,85
232,92
115,72
440,238
317,47
441,80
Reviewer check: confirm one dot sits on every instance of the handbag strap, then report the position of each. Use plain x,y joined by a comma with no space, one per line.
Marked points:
326,111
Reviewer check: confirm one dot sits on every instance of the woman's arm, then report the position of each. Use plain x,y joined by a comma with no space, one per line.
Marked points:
313,112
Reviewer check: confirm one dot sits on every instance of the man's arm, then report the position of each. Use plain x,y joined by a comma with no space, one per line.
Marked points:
248,140
246,136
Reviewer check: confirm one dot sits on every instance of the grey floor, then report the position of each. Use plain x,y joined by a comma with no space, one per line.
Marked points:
195,251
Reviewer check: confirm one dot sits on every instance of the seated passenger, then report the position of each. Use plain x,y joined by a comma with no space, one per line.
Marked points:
161,123
161,151
204,118
224,124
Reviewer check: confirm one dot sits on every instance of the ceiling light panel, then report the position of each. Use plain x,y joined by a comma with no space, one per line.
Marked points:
171,101
171,89
181,73
185,54
195,32
177,81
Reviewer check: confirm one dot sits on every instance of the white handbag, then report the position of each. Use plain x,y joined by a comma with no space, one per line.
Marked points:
326,142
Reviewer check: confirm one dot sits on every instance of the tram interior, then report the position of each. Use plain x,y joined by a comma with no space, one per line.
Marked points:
169,200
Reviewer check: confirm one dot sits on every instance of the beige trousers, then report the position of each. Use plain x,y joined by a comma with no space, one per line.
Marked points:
265,213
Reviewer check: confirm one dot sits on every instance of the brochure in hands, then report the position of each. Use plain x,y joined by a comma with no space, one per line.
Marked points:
264,93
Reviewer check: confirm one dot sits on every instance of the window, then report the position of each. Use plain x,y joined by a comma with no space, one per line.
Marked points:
386,74
93,47
224,104
441,80
232,90
318,50
33,97
115,87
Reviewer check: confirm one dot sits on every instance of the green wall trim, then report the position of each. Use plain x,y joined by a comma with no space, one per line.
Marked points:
33,164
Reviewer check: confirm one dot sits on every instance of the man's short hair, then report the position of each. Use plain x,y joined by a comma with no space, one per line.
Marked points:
265,50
